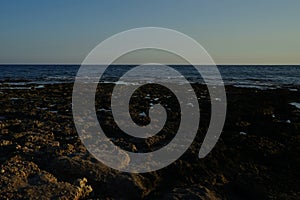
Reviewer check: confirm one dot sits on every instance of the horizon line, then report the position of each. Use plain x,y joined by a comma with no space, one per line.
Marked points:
233,64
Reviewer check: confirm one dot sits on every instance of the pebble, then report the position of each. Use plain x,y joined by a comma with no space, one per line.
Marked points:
5,142
4,131
55,144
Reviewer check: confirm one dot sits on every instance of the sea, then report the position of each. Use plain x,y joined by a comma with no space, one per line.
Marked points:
248,76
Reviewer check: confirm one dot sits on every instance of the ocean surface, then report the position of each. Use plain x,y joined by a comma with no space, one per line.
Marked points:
263,77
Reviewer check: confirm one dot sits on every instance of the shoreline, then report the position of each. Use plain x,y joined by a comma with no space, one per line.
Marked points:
27,84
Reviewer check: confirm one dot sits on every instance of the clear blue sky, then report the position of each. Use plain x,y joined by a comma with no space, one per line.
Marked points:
61,31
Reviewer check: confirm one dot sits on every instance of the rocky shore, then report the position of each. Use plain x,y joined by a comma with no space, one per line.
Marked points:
42,157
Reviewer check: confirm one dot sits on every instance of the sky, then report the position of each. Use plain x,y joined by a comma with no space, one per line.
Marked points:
232,31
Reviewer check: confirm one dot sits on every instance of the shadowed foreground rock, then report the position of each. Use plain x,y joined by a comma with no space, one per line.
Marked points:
21,179
192,193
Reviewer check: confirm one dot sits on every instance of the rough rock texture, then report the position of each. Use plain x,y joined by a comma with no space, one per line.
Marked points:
20,179
191,192
257,156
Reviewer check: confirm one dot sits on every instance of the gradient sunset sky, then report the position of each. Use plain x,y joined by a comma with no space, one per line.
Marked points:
233,32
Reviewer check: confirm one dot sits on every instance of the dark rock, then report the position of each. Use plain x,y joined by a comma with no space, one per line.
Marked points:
190,193
42,157
20,179
105,181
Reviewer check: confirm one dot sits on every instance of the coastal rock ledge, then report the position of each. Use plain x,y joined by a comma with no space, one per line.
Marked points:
21,179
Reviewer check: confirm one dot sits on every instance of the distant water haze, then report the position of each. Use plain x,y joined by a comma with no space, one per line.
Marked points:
239,75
